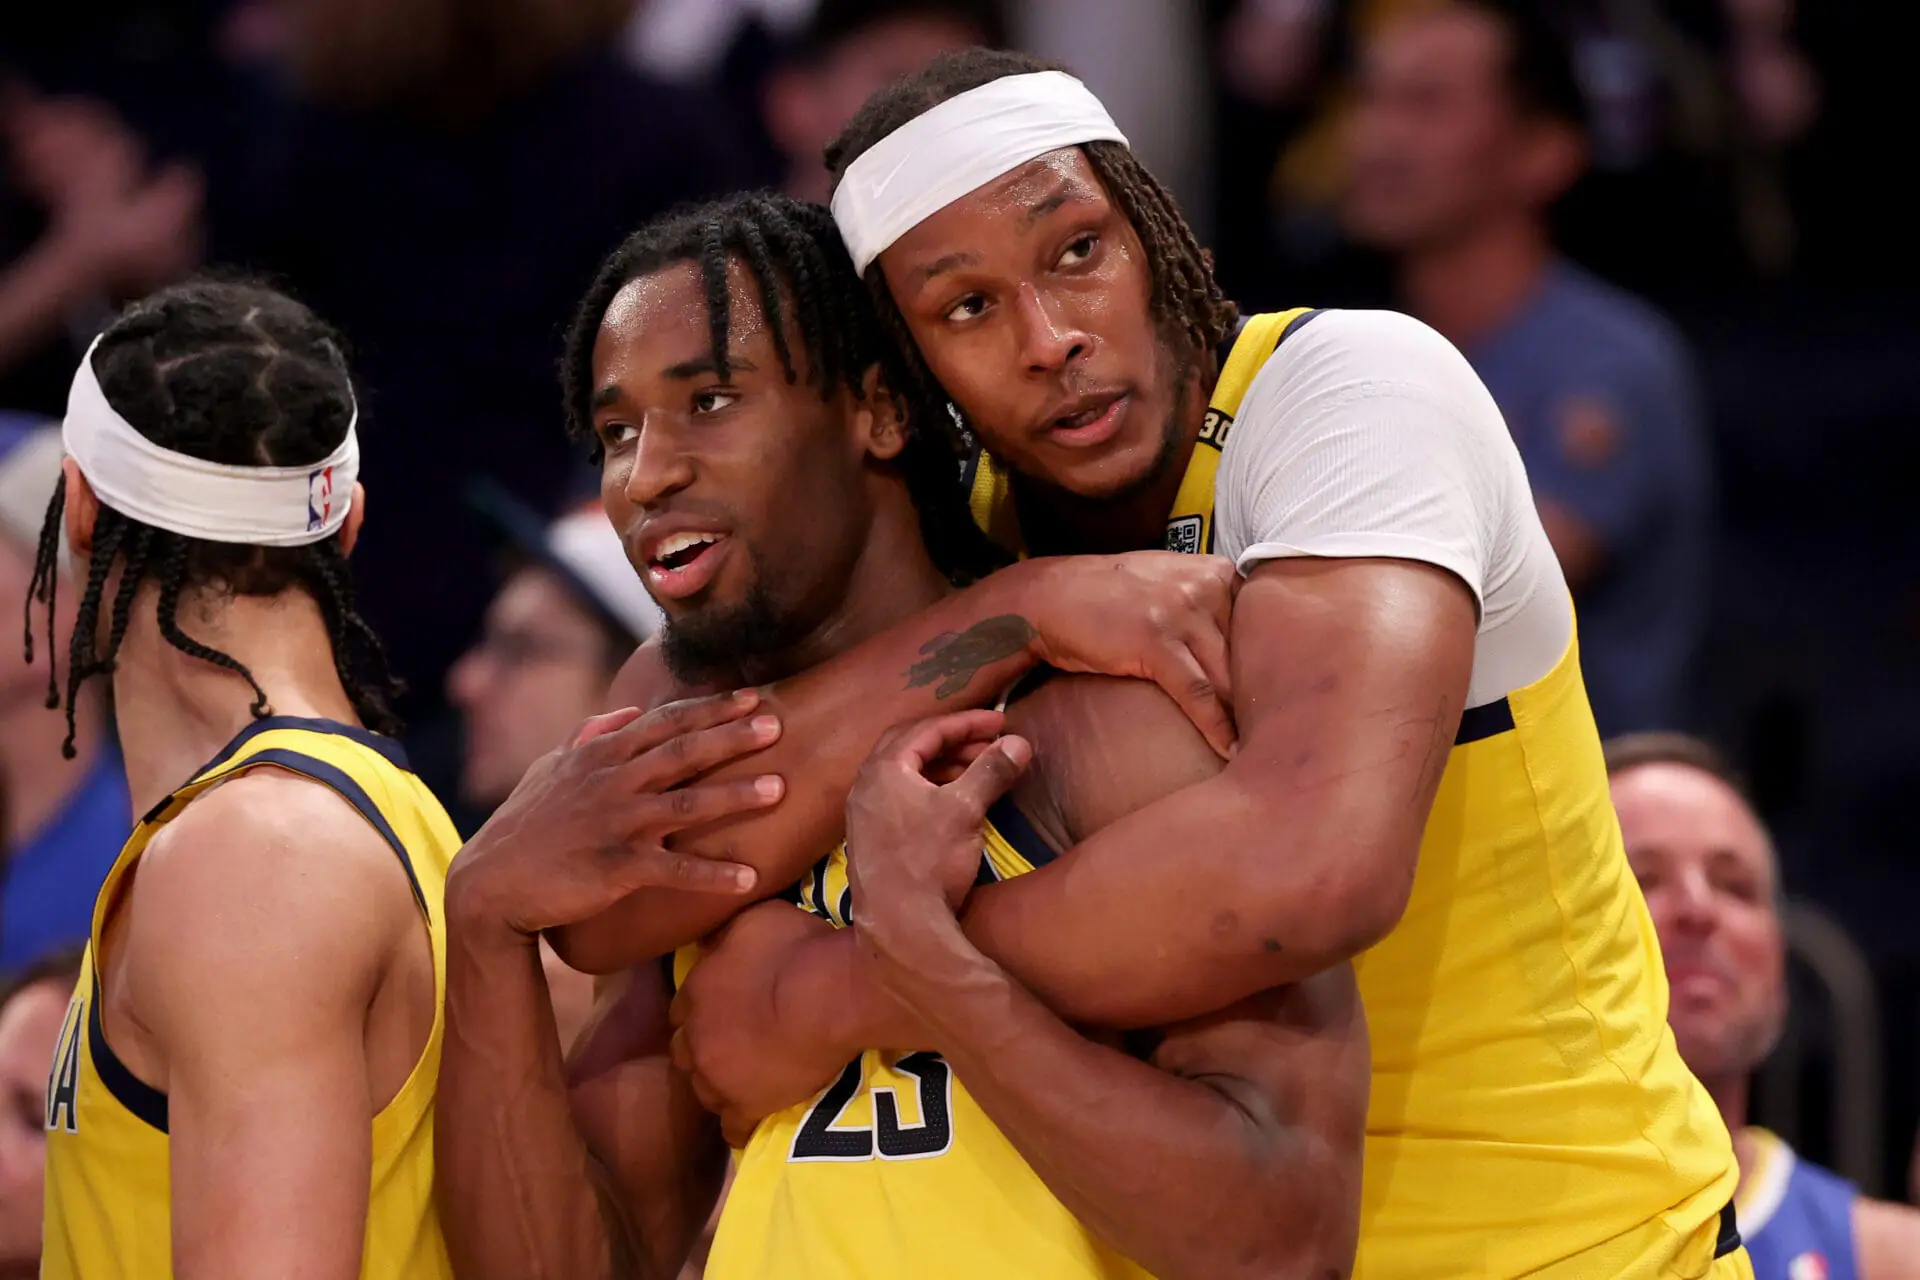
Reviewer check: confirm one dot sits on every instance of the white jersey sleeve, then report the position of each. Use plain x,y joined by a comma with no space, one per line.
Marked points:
1368,434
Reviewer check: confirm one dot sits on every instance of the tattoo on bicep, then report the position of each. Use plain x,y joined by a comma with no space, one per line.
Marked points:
952,657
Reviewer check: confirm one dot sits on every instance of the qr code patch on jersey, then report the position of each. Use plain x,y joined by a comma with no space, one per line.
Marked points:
1184,535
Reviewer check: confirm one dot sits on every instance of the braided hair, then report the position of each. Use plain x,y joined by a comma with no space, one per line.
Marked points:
235,373
809,290
1187,303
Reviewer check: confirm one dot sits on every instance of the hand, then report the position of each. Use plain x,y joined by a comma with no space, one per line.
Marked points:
747,1055
587,826
911,841
1151,615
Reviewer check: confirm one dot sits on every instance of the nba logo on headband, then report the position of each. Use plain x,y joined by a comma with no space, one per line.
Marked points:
319,497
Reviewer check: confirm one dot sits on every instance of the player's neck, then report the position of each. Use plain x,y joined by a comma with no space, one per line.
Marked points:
175,712
893,579
35,778
1469,285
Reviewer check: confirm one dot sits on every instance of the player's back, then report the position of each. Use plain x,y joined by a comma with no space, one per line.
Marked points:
108,1196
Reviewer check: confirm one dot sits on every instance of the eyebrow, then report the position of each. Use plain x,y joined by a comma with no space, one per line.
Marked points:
946,263
1059,196
705,366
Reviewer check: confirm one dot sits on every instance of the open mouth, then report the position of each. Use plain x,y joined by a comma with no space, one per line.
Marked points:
684,563
1095,424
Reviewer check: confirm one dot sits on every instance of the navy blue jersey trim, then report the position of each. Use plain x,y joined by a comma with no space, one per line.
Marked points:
1729,1233
141,1099
1020,833
1486,721
350,791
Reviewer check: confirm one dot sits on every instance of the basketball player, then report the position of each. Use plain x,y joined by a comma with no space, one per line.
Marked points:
1707,867
1413,732
245,1076
732,386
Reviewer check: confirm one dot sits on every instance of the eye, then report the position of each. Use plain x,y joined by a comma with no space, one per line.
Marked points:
1078,250
971,307
615,434
709,402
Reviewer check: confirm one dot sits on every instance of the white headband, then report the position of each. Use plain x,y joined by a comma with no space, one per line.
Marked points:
959,146
262,506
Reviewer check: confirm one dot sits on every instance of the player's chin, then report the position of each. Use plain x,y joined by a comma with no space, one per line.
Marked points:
1115,471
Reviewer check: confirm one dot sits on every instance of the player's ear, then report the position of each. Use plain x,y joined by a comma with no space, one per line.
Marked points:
1555,158
356,514
882,426
81,508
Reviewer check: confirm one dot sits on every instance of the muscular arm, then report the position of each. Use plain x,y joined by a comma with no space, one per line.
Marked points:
605,1167
1349,679
1152,615
263,921
1237,1151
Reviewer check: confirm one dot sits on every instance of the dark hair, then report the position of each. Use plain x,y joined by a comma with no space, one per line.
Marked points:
1632,750
1541,78
835,20
236,373
1186,299
799,265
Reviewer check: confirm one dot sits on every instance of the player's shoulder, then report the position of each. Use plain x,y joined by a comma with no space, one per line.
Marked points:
271,835
1103,747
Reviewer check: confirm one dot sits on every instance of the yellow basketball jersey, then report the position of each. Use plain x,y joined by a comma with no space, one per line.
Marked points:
894,1171
108,1205
1529,1114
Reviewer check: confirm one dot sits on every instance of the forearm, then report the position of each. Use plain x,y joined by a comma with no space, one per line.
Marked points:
962,652
517,1191
1185,1178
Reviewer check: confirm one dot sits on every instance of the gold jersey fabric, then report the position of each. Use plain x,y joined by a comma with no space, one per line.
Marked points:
108,1204
1530,1114
894,1171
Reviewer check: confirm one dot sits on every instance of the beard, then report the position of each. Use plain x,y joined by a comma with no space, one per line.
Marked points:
1179,367
726,647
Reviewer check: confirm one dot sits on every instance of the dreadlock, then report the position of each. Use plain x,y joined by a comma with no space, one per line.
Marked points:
1186,303
807,289
235,373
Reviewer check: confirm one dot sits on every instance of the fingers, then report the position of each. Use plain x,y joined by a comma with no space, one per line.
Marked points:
996,769
657,813
688,755
597,725
659,868
662,724
919,744
1180,673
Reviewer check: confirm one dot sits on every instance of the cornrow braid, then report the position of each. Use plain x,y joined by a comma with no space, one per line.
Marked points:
235,373
1187,302
809,291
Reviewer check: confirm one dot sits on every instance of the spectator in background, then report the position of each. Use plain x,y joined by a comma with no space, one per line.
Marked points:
554,637
85,224
445,181
31,1011
848,50
1467,130
1707,868
65,819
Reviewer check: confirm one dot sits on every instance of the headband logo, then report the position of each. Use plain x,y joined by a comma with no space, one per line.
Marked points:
319,497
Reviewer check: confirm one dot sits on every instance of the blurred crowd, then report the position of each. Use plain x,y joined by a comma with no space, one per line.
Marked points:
1659,229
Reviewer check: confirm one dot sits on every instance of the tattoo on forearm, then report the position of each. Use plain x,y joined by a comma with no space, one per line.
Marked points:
953,656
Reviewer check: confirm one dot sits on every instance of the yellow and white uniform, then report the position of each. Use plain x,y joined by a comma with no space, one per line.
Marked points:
1529,1114
108,1203
894,1171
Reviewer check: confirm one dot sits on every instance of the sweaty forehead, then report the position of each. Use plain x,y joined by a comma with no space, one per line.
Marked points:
664,319
1003,211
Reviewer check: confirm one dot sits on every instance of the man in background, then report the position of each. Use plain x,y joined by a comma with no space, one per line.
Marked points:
1707,868
848,49
31,1010
61,821
570,612
1470,125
